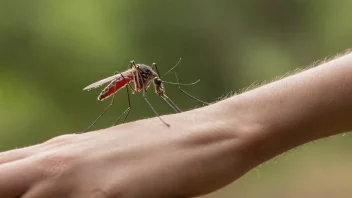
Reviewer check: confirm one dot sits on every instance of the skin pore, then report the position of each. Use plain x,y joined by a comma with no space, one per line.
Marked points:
204,150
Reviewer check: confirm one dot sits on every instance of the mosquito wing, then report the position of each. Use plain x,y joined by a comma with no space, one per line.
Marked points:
117,77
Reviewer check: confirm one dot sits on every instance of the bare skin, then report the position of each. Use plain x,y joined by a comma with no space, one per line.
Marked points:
203,150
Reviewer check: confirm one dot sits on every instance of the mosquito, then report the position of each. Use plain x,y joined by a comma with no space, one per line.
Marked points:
142,76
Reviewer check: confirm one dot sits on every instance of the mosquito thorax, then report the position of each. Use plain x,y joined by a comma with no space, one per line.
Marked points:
143,76
146,71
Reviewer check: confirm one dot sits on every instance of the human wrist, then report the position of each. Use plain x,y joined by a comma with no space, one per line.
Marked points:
307,106
232,116
256,142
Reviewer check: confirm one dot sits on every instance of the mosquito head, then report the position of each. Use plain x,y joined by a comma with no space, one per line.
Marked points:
159,89
158,81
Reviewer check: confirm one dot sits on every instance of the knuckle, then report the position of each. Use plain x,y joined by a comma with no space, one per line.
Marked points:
62,139
100,193
56,163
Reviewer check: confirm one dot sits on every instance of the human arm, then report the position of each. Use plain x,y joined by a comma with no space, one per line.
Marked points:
203,150
307,106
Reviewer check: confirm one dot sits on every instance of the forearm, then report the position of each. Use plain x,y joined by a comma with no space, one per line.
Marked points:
310,105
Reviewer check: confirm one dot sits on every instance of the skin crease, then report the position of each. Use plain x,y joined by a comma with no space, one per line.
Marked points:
203,150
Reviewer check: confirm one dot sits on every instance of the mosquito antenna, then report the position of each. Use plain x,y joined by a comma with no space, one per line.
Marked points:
171,68
183,84
189,95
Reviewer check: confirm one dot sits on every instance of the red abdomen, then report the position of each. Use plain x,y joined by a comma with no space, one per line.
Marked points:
114,87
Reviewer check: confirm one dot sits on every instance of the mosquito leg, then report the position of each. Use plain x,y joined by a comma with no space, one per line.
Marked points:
146,100
127,111
175,108
133,90
154,67
164,97
111,103
129,106
171,103
189,95
132,64
194,98
156,113
129,100
96,120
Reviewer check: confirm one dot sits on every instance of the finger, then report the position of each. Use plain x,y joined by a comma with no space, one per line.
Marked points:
47,189
16,177
17,154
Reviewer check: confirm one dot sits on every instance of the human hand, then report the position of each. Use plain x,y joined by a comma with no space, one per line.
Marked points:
196,155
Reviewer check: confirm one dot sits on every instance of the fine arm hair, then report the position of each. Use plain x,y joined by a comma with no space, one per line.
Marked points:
255,84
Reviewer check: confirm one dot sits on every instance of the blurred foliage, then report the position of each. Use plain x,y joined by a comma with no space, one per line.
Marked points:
50,50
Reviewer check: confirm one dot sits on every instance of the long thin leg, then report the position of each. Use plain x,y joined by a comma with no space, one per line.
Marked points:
129,100
132,64
189,95
156,113
154,67
164,97
133,90
171,103
126,111
175,108
146,100
96,120
174,104
111,103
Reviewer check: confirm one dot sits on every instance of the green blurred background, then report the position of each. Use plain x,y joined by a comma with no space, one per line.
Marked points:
50,50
